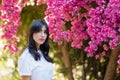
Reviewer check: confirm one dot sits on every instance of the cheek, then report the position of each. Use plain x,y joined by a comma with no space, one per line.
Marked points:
35,37
45,36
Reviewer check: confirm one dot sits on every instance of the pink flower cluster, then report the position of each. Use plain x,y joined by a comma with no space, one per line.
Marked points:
102,24
60,12
10,15
74,21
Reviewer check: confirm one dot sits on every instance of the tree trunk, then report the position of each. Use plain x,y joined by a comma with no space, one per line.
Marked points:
66,61
83,65
111,67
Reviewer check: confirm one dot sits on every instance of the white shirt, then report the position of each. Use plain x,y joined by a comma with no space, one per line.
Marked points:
38,70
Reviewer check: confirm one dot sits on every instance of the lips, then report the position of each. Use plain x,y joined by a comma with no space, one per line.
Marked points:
41,39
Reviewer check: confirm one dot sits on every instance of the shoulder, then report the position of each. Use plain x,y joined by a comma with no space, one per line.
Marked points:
25,56
24,63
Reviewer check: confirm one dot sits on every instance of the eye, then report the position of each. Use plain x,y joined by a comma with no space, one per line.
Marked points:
40,30
45,31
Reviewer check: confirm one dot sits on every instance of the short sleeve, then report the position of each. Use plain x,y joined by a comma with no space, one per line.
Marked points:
24,66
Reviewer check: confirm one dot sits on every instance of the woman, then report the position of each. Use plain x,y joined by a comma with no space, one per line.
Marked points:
35,63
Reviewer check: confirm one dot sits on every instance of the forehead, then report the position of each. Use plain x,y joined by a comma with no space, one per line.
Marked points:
43,28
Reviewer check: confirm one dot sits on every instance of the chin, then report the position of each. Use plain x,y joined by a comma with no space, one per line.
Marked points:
41,43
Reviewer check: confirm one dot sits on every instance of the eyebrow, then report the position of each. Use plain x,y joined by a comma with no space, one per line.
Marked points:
43,29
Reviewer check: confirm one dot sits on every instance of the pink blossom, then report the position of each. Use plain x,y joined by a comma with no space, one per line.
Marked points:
103,53
119,56
105,47
59,42
118,61
97,56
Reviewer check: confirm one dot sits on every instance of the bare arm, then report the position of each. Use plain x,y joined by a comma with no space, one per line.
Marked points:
25,77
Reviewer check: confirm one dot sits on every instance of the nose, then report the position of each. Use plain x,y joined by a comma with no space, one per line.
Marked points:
42,34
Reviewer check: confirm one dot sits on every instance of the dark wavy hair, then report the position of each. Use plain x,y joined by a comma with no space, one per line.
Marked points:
44,48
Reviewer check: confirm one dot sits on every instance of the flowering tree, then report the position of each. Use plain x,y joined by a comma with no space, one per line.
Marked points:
10,15
102,28
99,24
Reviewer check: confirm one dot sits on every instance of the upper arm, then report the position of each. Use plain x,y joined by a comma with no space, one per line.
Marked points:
24,66
25,77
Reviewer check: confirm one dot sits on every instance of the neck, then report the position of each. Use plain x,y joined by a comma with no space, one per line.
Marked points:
37,46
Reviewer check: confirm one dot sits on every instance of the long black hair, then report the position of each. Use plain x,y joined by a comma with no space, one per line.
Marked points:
44,48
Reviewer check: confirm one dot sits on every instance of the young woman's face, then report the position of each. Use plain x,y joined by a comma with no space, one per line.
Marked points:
40,37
